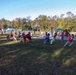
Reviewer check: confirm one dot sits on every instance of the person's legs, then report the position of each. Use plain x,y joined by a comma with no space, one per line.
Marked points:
29,38
66,43
52,40
8,38
21,39
70,43
24,39
15,38
44,41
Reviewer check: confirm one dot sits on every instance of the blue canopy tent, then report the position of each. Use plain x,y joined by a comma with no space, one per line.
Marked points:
10,30
59,29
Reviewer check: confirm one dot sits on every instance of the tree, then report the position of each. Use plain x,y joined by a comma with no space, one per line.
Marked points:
69,19
54,22
62,16
17,23
61,21
28,20
23,24
70,14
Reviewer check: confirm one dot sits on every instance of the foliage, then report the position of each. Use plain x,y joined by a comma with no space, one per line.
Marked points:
46,23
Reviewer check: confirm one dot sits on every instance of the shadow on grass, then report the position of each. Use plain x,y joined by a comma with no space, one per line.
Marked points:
37,59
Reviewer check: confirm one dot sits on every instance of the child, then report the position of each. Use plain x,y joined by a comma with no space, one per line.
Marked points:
11,34
70,40
54,37
19,35
8,37
22,37
47,38
14,36
62,35
28,36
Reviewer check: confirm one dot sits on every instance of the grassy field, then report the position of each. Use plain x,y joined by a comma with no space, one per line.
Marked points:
35,58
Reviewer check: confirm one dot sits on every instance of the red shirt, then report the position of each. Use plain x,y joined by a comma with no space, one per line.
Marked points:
64,33
27,35
70,38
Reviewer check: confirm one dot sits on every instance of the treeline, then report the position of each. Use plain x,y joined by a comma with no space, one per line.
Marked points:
42,22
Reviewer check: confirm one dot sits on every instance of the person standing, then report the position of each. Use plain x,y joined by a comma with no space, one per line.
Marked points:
53,39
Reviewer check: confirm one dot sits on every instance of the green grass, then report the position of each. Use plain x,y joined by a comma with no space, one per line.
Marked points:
35,58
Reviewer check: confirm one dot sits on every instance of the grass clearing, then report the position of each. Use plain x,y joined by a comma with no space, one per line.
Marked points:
35,58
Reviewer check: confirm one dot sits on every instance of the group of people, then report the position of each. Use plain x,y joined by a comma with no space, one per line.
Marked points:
24,36
21,36
47,38
11,36
63,34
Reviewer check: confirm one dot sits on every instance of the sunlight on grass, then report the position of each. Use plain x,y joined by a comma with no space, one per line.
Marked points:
57,53
9,43
43,55
12,51
7,59
68,62
42,58
25,52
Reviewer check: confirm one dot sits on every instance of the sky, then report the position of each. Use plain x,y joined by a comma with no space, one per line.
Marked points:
11,9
